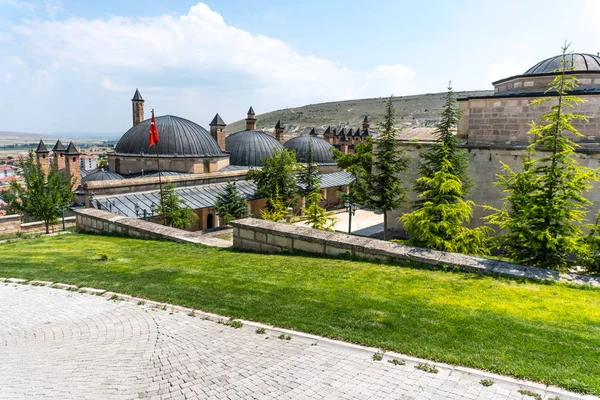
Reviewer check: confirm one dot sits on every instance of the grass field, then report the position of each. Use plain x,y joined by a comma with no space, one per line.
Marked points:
545,332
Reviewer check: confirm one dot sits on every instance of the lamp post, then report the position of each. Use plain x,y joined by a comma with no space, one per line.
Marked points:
351,209
137,209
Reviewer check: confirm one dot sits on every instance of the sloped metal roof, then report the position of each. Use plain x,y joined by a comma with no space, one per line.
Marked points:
217,121
58,146
42,148
101,175
137,96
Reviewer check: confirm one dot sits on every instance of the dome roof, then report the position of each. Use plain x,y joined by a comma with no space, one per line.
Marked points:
321,148
101,175
581,62
179,137
249,147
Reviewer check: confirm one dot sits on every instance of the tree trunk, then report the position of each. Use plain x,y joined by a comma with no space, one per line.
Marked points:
47,228
384,224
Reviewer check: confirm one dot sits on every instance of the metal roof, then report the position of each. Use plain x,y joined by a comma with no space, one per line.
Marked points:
579,62
201,196
41,148
72,150
321,148
179,137
137,96
101,175
58,146
247,148
279,125
217,121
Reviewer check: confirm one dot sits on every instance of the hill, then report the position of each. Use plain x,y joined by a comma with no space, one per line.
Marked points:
417,111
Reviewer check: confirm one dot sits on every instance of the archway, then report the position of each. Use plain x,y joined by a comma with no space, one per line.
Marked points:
210,221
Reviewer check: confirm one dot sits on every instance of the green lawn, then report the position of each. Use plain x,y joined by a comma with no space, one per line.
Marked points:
548,333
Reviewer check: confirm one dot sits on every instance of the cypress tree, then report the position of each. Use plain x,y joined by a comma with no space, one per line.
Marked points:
389,161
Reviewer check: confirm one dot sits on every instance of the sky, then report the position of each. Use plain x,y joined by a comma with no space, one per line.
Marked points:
72,66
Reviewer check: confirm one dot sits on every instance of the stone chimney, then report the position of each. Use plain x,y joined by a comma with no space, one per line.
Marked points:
137,105
251,121
41,156
217,130
59,155
279,128
328,135
72,166
366,123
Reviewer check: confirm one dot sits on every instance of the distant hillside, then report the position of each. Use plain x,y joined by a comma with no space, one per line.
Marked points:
414,111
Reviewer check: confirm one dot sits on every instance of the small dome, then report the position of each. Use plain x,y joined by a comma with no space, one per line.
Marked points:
321,148
101,175
179,137
247,148
581,62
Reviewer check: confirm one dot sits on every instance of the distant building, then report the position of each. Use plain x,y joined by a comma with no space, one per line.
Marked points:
88,162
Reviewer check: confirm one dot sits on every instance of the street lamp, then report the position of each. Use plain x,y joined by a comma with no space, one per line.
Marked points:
351,209
137,209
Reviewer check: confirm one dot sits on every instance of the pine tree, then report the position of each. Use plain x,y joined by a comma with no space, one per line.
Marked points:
548,223
388,162
231,204
276,177
43,197
317,216
360,165
309,179
439,221
178,213
446,147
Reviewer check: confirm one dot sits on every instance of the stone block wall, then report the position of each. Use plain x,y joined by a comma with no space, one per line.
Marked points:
10,224
273,237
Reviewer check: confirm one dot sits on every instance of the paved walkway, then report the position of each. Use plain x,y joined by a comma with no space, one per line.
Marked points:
62,344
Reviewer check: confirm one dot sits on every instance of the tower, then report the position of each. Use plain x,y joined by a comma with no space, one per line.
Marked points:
251,121
366,123
279,128
328,135
217,130
137,106
72,166
41,156
59,155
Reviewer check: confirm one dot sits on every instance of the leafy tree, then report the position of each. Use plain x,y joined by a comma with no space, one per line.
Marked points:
548,224
446,147
388,162
102,162
276,177
439,221
309,179
360,165
276,209
231,204
317,216
43,197
9,197
178,213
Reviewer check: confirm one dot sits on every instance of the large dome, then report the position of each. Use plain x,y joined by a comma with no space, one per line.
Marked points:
581,62
247,148
321,148
179,137
101,175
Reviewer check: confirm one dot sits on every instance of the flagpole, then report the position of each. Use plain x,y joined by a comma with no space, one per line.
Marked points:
162,201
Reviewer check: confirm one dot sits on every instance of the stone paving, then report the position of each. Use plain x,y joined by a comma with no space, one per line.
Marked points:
63,344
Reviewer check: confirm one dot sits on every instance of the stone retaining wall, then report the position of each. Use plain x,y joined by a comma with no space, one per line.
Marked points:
11,224
272,237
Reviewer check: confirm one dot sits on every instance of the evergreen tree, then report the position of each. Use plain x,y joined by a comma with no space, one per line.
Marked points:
317,216
439,221
446,147
549,223
231,204
178,213
275,209
276,177
309,179
360,165
388,162
43,197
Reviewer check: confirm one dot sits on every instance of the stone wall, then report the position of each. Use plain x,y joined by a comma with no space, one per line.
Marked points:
540,82
272,237
126,165
12,224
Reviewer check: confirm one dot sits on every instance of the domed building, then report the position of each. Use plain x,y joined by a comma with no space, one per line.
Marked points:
248,147
322,150
100,175
503,118
184,146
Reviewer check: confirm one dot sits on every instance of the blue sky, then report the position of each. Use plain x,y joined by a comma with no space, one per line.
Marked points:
73,66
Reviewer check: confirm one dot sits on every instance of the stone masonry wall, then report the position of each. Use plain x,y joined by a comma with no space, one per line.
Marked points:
272,237
11,224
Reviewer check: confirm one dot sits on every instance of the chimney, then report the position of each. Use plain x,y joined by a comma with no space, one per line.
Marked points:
251,121
217,130
279,128
328,135
59,155
72,166
137,105
41,156
366,123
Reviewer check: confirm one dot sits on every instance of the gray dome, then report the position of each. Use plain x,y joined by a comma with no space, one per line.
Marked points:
179,137
101,175
321,148
581,62
247,148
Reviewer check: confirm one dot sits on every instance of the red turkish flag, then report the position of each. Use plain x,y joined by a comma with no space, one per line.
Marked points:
153,131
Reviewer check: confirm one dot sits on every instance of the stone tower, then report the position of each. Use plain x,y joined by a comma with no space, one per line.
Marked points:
217,130
279,128
59,155
366,123
41,156
137,105
72,166
251,121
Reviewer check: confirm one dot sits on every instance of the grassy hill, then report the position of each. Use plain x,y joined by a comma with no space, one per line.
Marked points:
413,111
